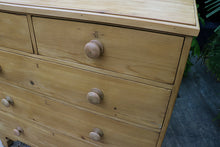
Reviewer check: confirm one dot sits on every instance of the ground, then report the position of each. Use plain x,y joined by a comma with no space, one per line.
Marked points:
192,122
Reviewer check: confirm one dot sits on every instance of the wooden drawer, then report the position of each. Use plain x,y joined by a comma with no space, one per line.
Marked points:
135,102
14,32
74,121
139,53
35,135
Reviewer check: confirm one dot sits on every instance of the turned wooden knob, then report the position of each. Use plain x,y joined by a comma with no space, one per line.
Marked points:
18,131
7,101
96,134
94,49
95,96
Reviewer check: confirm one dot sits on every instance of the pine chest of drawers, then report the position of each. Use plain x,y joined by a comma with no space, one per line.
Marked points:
92,73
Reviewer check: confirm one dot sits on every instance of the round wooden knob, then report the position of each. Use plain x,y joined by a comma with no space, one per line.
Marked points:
94,49
7,101
18,131
95,96
96,134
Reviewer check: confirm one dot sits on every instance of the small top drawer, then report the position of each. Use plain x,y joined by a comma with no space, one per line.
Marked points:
138,53
14,32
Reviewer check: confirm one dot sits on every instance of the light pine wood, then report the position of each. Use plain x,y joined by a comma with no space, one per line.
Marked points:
138,53
181,68
104,69
35,135
156,25
32,35
74,121
179,18
72,85
180,11
14,32
93,69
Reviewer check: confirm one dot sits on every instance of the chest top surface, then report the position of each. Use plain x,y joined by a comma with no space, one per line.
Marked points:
178,11
172,12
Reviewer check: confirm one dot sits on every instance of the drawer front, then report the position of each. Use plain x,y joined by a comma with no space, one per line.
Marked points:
136,102
138,53
33,134
75,122
14,32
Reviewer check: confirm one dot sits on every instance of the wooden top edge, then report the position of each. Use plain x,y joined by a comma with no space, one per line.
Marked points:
158,25
146,9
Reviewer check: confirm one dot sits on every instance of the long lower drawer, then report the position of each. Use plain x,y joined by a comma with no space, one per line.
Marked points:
33,134
73,121
128,100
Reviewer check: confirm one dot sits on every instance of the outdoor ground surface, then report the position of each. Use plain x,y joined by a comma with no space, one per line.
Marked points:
192,124
198,103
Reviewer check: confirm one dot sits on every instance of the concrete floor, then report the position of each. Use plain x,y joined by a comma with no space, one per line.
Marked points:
192,124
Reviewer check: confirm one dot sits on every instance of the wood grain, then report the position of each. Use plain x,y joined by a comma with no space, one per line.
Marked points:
181,68
14,32
180,11
93,69
35,135
72,121
72,85
139,53
152,24
32,35
131,114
